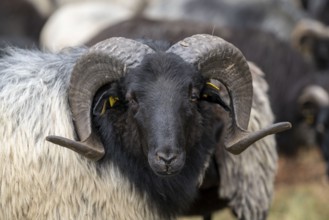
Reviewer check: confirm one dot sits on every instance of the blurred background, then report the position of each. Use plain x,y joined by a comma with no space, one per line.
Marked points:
287,39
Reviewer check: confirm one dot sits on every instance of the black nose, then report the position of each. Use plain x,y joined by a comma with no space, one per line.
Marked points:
166,157
166,161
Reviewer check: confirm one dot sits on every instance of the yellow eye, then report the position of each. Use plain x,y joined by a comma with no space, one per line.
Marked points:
113,100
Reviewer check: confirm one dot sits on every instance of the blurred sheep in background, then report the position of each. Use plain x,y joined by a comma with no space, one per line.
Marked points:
76,23
20,24
73,24
48,7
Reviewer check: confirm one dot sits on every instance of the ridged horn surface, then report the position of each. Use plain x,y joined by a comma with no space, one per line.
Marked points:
104,63
217,59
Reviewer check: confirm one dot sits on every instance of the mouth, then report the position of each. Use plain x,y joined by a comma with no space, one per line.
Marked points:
167,171
166,168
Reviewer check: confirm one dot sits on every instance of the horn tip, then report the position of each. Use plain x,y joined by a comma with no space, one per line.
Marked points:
81,148
54,139
283,126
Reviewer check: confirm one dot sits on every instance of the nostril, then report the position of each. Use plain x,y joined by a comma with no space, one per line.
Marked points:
166,161
166,157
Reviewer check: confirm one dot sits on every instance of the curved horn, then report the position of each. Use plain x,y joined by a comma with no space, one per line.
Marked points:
220,60
104,63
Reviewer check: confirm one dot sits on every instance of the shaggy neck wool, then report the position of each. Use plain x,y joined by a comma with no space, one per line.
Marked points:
168,196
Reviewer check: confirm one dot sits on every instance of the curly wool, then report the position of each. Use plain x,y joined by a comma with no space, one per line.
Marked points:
247,180
40,180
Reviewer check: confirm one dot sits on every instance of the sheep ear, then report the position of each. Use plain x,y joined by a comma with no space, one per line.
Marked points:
211,93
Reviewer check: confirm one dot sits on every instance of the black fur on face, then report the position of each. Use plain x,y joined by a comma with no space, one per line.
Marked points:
160,133
164,98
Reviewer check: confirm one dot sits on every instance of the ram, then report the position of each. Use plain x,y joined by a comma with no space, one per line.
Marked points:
144,119
284,67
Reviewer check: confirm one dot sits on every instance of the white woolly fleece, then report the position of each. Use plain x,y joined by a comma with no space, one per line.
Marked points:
39,180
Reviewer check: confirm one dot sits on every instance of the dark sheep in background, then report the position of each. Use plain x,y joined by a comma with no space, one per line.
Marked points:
20,24
274,16
318,9
278,17
152,131
20,18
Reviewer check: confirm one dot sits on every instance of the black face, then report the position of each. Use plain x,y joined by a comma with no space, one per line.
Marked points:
163,95
163,102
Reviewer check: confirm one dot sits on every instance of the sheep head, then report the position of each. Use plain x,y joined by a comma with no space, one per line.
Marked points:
311,38
162,120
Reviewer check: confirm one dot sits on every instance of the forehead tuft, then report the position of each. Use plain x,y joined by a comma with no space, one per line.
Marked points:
162,71
166,65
